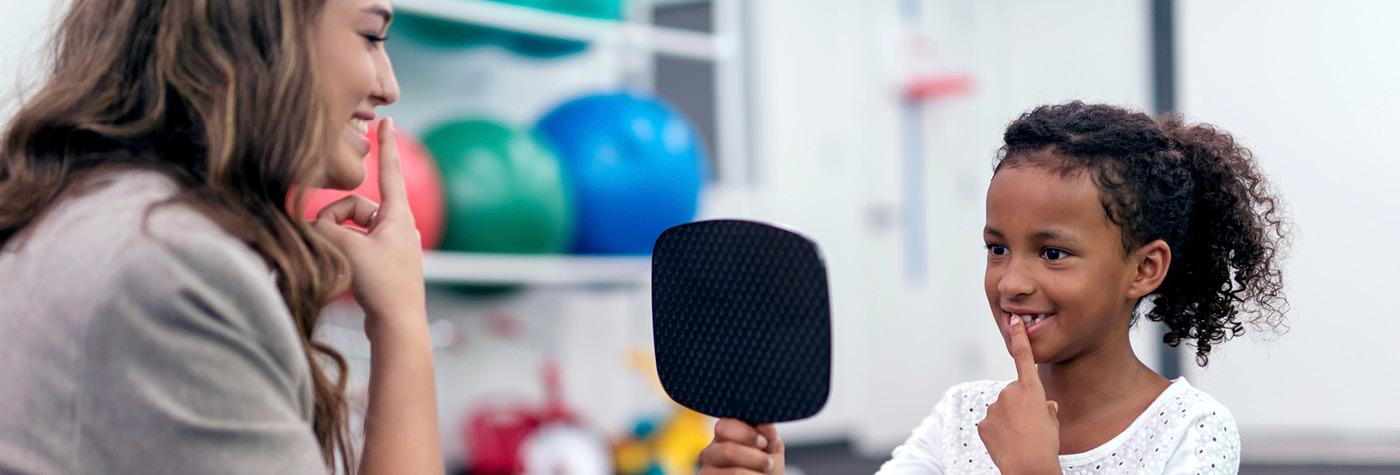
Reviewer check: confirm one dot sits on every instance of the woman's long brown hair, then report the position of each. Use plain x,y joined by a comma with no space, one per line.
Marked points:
221,96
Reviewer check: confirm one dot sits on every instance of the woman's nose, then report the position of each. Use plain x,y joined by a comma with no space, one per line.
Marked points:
387,91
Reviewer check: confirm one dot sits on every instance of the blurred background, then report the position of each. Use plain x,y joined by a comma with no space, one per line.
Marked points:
548,142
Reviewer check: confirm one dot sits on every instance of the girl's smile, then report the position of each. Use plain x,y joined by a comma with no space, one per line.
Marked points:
1032,319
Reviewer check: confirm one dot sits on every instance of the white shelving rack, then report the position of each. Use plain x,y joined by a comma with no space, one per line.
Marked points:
634,34
640,39
536,270
589,311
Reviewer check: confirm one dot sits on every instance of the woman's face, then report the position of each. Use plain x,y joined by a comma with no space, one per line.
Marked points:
356,77
1053,255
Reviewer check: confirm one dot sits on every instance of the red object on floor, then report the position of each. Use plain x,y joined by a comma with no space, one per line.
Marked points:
494,434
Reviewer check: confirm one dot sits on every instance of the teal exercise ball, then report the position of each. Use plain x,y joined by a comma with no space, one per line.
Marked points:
443,33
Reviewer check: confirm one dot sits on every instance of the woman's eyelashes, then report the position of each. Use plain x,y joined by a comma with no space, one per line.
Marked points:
375,40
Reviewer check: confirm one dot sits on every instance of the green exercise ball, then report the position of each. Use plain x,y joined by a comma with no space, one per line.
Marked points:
505,190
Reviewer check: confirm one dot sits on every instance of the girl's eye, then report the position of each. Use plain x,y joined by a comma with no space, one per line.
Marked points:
997,249
374,39
1054,254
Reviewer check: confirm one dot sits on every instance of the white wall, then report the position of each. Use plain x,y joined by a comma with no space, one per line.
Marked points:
26,27
828,137
1311,87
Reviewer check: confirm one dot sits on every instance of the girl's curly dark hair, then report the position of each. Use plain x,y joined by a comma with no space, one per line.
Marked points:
1192,186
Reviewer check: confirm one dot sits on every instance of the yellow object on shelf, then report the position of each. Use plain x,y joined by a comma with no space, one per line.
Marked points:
678,445
671,449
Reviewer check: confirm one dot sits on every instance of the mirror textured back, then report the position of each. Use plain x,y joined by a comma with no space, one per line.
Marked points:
741,320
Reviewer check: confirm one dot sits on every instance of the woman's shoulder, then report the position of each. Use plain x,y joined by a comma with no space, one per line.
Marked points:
121,219
106,213
166,249
119,236
119,315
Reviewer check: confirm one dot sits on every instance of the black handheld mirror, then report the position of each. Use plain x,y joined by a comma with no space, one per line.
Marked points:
741,320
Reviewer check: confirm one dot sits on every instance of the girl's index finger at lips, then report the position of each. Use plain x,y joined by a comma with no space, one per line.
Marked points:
1020,348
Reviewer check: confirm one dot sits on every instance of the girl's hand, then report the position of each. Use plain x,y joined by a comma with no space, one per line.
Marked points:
387,258
1022,431
740,448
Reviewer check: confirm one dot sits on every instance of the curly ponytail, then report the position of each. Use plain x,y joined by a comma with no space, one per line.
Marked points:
1192,186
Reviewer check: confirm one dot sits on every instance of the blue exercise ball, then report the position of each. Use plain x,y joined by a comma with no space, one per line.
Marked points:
636,166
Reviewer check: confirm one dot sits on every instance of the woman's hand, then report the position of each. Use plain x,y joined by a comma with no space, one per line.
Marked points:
740,448
387,258
401,434
1021,430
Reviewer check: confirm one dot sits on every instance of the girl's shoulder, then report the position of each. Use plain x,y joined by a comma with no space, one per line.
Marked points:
1184,408
1195,403
1184,428
976,390
1179,402
972,397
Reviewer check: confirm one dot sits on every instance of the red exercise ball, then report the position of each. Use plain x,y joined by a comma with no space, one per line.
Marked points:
421,179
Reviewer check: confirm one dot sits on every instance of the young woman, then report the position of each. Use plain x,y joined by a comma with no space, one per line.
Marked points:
158,295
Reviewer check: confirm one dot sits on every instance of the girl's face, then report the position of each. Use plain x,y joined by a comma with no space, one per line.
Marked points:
1054,257
356,77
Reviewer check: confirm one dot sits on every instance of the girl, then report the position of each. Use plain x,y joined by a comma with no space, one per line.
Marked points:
158,295
1095,215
